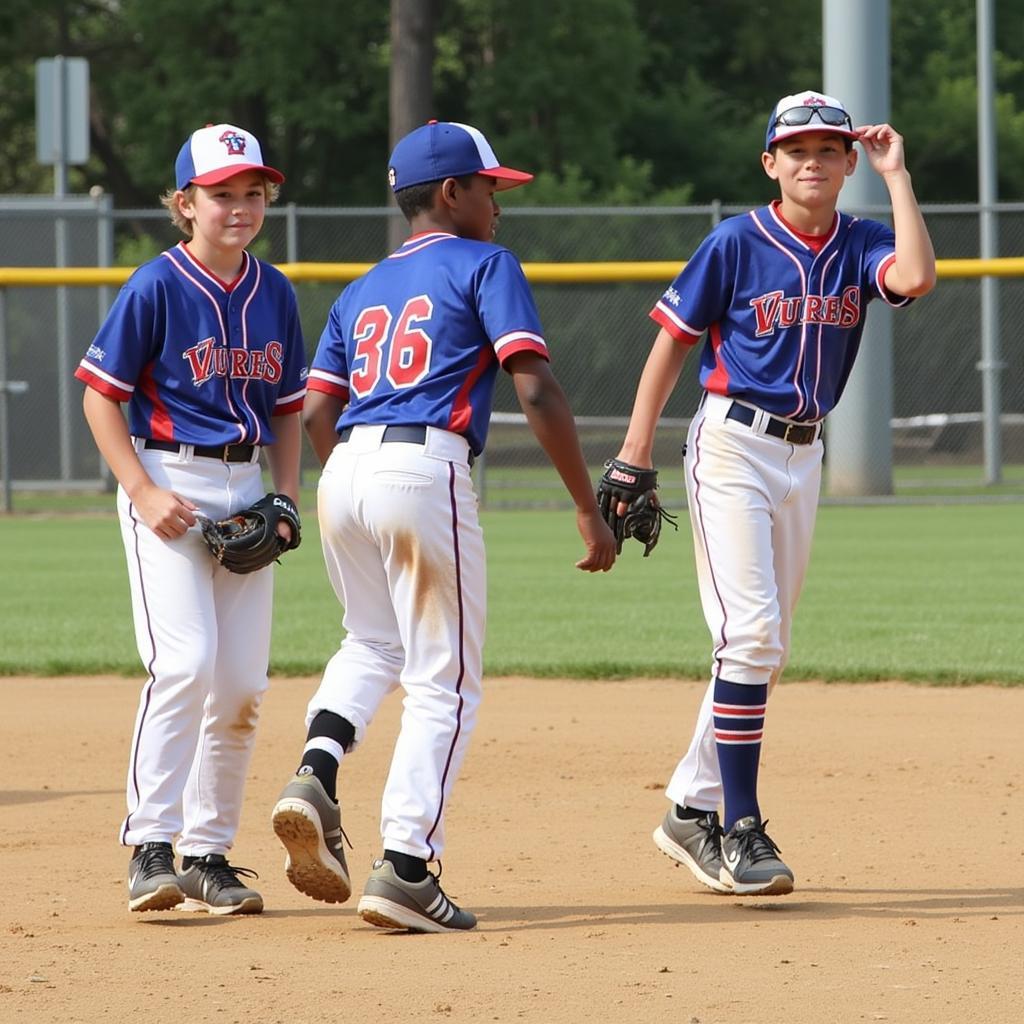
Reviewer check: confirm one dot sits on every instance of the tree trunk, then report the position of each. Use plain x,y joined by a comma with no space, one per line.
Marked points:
413,25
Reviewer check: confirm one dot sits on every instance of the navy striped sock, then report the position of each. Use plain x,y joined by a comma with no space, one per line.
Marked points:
739,726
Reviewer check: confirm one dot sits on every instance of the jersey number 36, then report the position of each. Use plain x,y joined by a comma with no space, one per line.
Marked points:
403,354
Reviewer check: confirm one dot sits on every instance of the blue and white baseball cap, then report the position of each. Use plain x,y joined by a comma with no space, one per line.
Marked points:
218,152
447,149
807,112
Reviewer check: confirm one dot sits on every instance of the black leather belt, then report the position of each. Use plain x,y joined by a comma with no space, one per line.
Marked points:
224,452
409,433
396,432
794,433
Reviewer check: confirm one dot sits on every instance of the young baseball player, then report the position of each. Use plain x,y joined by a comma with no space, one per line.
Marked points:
400,397
782,293
203,343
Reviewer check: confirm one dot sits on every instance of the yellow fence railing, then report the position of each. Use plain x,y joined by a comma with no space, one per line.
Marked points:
538,273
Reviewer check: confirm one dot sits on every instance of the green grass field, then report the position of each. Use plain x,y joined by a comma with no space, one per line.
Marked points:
929,593
539,485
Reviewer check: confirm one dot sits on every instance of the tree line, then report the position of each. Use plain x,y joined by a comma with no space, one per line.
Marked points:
610,101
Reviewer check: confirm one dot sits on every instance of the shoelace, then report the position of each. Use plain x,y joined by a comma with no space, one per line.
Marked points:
759,845
437,882
712,831
224,874
155,861
329,836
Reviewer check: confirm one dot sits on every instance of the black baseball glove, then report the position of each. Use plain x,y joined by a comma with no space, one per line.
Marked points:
636,487
248,540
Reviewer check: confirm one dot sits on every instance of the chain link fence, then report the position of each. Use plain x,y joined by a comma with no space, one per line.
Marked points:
598,334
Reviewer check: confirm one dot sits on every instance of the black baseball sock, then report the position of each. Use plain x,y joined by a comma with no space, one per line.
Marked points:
322,763
324,767
409,869
690,813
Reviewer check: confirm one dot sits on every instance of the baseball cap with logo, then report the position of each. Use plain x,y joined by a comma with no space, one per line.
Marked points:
447,149
218,152
807,112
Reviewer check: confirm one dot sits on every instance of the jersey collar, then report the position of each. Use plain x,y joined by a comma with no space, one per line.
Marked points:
813,242
416,243
225,286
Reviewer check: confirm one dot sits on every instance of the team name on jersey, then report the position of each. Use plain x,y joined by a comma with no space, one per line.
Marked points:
776,310
207,360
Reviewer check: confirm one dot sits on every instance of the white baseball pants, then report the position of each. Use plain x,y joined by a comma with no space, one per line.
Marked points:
405,555
203,635
752,500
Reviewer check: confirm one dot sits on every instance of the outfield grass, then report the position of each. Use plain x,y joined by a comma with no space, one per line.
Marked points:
520,486
925,593
538,486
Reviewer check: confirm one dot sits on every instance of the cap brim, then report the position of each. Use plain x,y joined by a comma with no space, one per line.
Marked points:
787,131
506,177
223,173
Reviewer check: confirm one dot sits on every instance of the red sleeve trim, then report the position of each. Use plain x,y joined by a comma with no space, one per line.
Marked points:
883,269
102,386
525,345
290,407
318,384
684,337
892,298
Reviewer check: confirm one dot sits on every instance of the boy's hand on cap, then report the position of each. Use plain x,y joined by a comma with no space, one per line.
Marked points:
883,146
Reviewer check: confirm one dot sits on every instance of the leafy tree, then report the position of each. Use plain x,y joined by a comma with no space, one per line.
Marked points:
935,104
30,29
554,85
613,101
309,79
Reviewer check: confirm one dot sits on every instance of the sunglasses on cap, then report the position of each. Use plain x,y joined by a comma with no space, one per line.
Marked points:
833,116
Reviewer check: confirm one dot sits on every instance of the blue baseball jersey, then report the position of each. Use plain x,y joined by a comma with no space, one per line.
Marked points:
784,313
197,360
420,337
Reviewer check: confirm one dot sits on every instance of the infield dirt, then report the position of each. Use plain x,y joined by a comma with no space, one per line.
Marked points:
899,808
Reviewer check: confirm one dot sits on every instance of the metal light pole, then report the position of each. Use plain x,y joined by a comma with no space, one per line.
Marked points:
855,58
62,138
60,191
990,364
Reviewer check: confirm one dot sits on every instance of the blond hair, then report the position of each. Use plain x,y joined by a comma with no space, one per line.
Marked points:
169,200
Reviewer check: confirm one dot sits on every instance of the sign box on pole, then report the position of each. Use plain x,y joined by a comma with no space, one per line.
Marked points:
62,115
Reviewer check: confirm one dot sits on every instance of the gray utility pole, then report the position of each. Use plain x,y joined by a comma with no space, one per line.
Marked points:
855,59
411,100
62,138
991,366
7,387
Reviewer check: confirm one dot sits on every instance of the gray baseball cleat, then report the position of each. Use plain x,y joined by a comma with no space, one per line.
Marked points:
750,866
695,843
212,885
390,902
308,823
153,884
